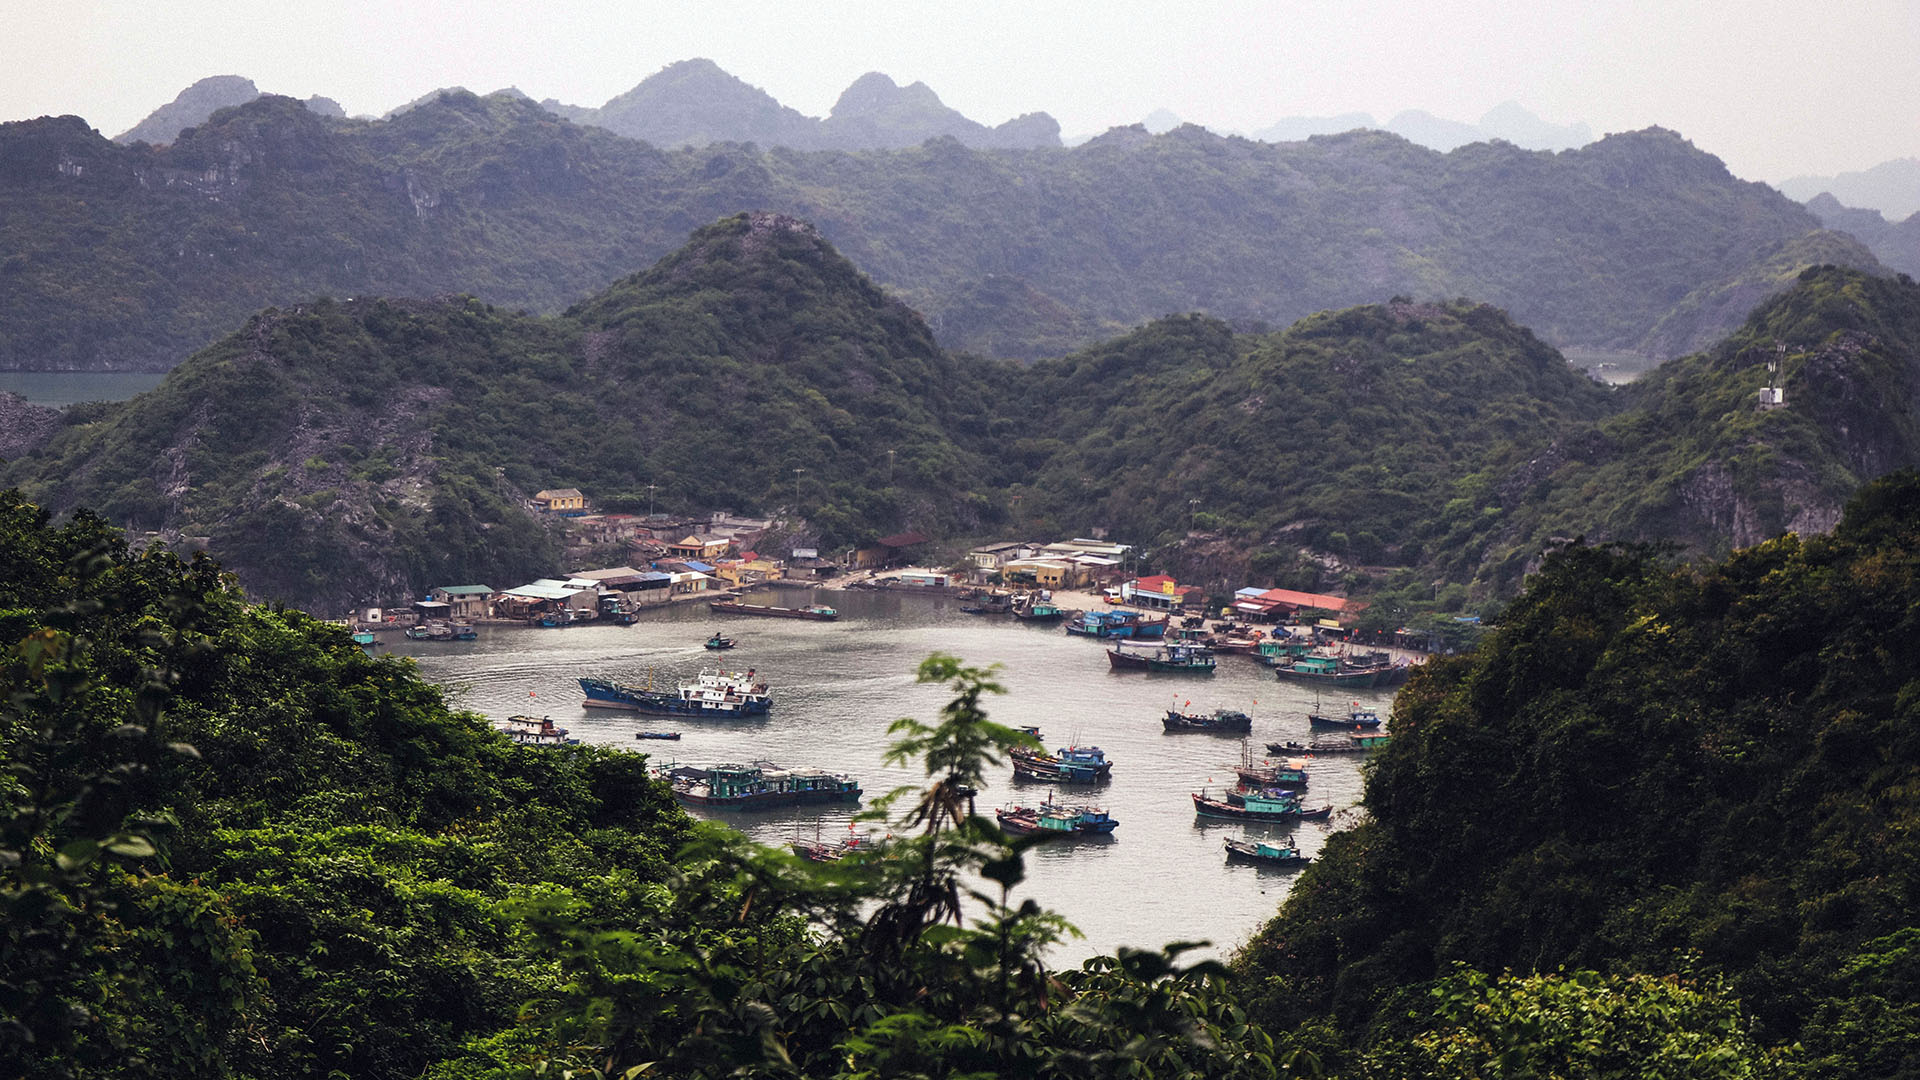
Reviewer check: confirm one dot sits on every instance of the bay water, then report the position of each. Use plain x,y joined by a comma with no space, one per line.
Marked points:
1162,877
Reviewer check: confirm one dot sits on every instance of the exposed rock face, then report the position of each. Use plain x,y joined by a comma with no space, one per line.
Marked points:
192,108
24,427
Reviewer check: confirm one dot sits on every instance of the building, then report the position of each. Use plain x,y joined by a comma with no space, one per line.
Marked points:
924,579
1280,604
1046,573
887,551
991,557
1159,593
705,549
466,601
561,501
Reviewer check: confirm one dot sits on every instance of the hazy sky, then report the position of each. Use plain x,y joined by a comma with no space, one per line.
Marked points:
1775,88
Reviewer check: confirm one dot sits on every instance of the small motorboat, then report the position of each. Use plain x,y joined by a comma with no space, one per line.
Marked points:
656,735
718,642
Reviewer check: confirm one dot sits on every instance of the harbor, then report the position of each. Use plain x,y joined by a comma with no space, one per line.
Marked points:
838,685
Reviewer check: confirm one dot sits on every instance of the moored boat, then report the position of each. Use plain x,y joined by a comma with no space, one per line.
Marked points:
1356,742
816,612
1231,721
1054,819
716,693
759,786
1067,765
534,731
1266,852
1117,624
1028,608
1189,659
1328,671
1258,806
1358,718
656,735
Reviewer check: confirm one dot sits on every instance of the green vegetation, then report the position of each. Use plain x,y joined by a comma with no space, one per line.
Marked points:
235,846
1645,769
133,257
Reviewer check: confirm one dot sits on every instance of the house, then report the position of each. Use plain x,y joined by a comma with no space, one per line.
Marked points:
560,501
990,557
466,601
807,565
1046,573
1159,593
1279,604
884,552
924,579
432,610
690,581
742,572
705,549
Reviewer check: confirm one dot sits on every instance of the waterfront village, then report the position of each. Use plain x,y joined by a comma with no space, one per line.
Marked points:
665,559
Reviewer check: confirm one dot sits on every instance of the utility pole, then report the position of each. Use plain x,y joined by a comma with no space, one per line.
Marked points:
796,489
650,491
889,468
1193,508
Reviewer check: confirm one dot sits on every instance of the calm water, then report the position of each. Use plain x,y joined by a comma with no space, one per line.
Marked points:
1162,877
62,388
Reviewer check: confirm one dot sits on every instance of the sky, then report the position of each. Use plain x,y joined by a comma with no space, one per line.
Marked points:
1775,88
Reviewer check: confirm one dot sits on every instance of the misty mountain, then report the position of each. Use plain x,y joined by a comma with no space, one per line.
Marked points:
1891,187
1508,121
1897,244
134,256
200,101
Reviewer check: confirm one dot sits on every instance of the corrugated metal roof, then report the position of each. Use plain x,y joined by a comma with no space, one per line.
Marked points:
466,590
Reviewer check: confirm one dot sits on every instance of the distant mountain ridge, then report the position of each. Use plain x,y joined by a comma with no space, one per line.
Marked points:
197,103
1509,121
1895,243
131,257
1891,187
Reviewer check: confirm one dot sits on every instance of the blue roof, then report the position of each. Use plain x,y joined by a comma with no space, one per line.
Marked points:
655,575
699,567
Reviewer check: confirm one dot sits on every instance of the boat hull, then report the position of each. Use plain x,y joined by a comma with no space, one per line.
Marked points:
767,800
1350,680
1121,660
1226,722
1241,851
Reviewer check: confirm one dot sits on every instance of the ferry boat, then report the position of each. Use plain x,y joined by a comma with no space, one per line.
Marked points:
717,693
759,786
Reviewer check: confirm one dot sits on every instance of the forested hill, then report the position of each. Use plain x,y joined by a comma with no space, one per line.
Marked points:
1710,773
338,451
134,256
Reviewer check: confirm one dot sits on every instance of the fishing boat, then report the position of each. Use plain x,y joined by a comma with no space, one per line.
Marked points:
759,786
716,693
1231,721
988,603
718,642
1357,718
1117,624
1258,806
1266,852
656,735
363,638
816,612
1067,765
1288,772
1189,659
534,731
1028,608
1356,742
1328,671
1053,819
830,851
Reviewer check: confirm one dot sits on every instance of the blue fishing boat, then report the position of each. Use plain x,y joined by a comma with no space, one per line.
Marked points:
1117,624
1258,806
1358,718
1053,819
1227,721
759,786
1173,657
1266,852
1067,765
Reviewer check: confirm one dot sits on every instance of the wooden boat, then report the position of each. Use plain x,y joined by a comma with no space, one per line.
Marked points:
1231,721
1288,773
830,851
816,612
759,786
1117,624
1028,609
1266,852
1258,806
717,693
1358,718
1328,671
1067,765
1188,659
988,603
656,735
1053,819
718,642
1357,742
534,731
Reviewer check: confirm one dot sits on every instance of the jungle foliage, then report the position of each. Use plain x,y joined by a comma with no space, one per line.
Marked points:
235,846
1648,769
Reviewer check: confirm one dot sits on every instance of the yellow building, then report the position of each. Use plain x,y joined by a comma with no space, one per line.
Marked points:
560,500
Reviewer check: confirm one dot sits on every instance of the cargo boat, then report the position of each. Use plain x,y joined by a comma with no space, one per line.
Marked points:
723,694
816,612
